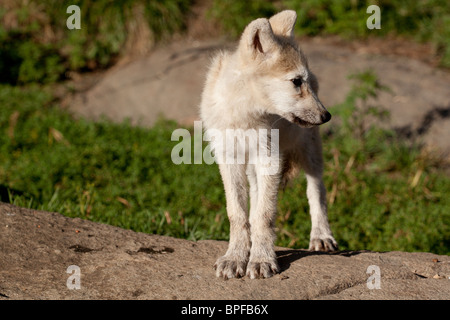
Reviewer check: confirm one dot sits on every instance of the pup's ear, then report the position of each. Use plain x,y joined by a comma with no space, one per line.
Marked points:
283,23
257,38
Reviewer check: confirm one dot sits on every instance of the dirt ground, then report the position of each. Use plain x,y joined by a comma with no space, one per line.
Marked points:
168,82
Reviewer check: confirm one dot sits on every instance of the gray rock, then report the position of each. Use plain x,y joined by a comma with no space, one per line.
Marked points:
169,82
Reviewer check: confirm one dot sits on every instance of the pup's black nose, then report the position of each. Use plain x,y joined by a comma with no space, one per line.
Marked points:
325,117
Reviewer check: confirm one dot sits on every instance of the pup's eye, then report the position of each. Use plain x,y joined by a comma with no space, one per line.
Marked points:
297,82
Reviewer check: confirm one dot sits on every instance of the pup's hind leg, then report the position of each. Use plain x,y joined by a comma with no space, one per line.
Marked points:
234,262
321,238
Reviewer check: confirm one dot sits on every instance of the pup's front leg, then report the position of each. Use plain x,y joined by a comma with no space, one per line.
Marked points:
234,262
263,262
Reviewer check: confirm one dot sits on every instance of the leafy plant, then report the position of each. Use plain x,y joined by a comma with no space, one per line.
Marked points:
358,110
36,45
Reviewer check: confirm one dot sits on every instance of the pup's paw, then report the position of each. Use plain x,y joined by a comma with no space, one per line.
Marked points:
262,269
325,244
230,267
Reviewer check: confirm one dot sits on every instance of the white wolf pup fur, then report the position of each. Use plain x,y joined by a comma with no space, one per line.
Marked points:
266,84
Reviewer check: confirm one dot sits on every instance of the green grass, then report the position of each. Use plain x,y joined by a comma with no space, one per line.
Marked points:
383,194
112,173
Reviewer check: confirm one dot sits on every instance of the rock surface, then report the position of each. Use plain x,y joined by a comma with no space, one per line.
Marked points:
37,248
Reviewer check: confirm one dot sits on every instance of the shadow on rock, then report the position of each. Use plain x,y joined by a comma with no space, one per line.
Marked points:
286,257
